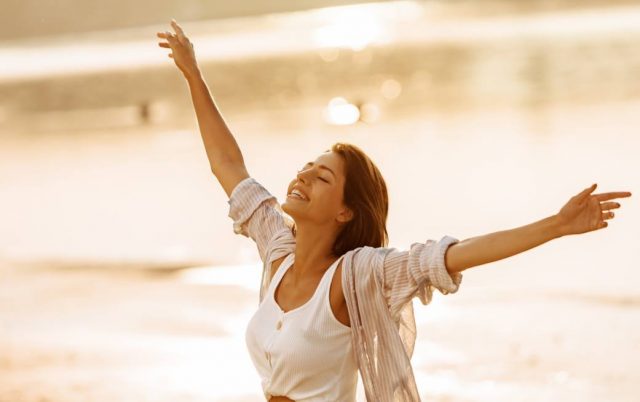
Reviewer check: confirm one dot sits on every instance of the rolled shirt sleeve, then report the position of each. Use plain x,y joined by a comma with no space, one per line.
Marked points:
417,272
256,213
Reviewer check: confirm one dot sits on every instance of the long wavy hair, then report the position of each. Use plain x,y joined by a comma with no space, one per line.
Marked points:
365,193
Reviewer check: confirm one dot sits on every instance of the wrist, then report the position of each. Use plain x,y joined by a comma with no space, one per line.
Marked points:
193,74
557,226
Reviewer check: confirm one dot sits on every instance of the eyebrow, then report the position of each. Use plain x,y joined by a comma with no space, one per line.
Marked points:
323,167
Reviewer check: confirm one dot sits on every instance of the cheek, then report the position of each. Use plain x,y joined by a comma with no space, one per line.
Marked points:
328,198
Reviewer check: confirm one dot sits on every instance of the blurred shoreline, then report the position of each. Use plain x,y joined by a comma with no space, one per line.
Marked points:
444,62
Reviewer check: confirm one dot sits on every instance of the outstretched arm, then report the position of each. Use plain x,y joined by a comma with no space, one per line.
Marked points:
583,213
222,149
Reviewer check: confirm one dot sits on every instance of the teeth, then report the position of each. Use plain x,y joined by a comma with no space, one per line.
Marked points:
296,192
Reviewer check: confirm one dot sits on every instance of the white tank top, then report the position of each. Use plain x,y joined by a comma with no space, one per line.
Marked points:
304,354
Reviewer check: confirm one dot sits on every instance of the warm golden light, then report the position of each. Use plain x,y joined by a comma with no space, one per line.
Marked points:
121,278
341,112
369,112
391,89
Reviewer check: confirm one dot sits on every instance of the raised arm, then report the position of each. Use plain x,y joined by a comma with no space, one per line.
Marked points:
581,214
254,210
430,265
223,152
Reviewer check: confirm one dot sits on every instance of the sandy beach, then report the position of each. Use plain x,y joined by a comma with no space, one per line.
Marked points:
71,334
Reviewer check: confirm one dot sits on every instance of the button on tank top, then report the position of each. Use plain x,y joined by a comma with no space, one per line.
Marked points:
304,354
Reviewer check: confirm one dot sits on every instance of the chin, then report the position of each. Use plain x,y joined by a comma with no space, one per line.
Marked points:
287,208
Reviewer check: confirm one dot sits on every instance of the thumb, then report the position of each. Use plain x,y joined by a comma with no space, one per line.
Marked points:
587,190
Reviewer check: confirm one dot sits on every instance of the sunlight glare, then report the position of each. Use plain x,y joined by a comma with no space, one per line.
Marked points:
341,112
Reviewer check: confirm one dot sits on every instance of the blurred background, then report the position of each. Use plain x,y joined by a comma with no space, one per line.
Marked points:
121,277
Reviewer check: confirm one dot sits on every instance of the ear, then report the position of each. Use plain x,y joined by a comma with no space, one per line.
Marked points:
345,215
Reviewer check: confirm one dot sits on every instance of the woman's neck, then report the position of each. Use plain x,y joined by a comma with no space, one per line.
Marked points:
314,249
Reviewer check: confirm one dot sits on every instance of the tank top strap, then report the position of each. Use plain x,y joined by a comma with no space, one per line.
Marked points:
328,275
280,272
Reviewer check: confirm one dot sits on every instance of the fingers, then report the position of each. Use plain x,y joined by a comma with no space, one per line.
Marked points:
608,215
612,195
179,38
584,193
171,39
609,205
174,41
166,35
178,29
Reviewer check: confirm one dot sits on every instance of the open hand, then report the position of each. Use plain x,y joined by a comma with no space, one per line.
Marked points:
584,211
182,51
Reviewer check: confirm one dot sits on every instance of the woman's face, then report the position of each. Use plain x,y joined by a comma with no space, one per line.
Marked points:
322,183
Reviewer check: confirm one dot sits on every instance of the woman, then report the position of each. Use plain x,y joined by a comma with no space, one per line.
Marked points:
334,300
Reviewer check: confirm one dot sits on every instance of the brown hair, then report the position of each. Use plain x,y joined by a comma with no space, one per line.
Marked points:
365,193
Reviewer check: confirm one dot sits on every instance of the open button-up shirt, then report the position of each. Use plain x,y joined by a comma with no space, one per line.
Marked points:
379,284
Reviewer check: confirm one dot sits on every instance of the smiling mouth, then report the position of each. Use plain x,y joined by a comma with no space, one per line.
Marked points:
296,197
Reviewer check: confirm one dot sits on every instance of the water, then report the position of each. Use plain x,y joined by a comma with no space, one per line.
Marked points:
485,130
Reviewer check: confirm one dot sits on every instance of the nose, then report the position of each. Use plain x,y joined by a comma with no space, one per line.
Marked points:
300,176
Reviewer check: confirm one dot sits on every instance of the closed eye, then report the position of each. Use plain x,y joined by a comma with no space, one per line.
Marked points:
303,168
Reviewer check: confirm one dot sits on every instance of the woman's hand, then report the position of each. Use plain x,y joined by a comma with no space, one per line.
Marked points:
181,50
584,212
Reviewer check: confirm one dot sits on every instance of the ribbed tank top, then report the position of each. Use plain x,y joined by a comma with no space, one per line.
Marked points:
304,354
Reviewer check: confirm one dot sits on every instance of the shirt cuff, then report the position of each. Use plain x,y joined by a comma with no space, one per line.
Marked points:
433,259
245,198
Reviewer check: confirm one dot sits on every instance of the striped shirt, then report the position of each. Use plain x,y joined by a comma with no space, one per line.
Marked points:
379,284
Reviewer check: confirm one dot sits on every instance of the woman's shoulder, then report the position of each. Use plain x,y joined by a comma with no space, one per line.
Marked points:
368,254
365,262
276,264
